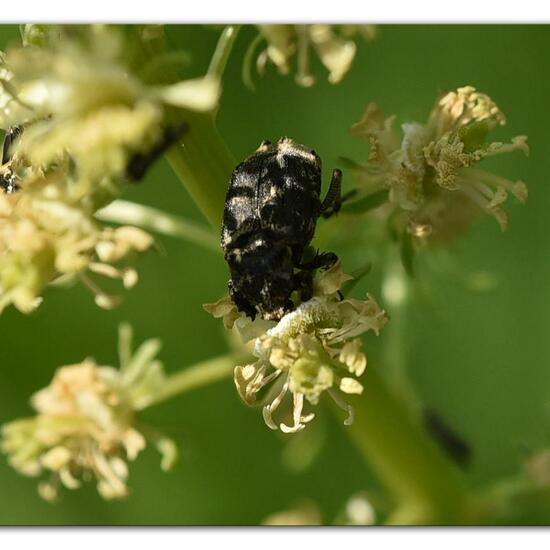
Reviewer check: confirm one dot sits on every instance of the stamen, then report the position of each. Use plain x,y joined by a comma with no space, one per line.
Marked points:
105,270
518,188
344,406
303,75
269,409
298,399
102,299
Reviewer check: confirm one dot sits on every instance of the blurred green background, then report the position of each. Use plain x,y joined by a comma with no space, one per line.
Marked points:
480,358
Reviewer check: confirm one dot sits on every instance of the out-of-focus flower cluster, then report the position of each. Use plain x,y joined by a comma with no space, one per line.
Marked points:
88,124
46,237
430,171
358,511
78,96
314,349
86,426
333,44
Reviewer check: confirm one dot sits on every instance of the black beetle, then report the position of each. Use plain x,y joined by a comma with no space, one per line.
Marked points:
271,210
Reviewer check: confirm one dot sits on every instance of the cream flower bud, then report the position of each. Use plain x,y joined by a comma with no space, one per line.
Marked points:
352,356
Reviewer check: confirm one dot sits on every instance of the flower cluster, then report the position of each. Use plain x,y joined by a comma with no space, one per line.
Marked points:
87,123
430,172
311,350
86,426
46,237
77,96
332,43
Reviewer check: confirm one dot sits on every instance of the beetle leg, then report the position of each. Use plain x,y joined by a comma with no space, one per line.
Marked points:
140,162
240,301
333,200
324,260
303,283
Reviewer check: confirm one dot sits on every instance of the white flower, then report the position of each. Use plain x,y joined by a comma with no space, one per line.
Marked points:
429,172
311,350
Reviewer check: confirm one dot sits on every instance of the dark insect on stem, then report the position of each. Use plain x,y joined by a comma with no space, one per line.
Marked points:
8,180
452,443
140,162
12,134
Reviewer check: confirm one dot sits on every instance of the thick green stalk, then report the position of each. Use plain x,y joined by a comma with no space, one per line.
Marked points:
201,160
204,164
427,487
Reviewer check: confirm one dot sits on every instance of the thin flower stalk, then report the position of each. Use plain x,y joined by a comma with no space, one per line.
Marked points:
157,221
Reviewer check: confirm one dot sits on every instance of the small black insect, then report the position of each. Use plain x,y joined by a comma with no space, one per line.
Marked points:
451,443
140,162
136,168
8,180
271,210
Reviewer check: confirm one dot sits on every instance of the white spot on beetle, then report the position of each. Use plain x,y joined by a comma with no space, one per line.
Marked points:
287,146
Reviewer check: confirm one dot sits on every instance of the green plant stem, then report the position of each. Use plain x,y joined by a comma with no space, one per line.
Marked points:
428,489
199,375
223,49
202,161
147,217
396,294
204,164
